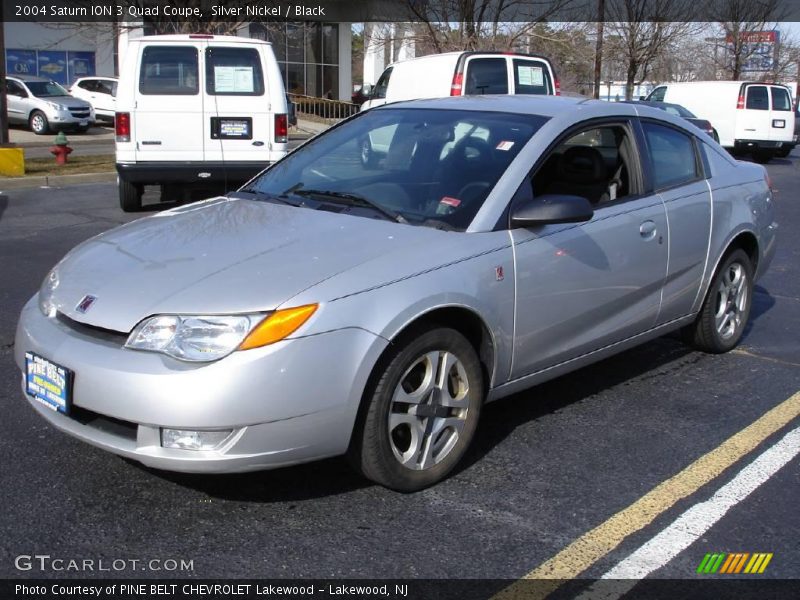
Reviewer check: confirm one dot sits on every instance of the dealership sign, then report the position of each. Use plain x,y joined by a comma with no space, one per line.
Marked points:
759,50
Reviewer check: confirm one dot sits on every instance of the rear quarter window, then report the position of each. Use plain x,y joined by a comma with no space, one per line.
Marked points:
672,155
169,71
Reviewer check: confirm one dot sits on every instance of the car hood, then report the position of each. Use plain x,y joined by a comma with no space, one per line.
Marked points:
68,101
219,256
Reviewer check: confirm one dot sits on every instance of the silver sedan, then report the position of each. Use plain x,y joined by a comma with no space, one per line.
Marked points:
369,304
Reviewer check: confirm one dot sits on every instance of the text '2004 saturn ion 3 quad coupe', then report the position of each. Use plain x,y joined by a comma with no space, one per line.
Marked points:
333,306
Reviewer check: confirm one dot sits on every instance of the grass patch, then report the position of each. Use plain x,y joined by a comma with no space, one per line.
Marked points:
75,165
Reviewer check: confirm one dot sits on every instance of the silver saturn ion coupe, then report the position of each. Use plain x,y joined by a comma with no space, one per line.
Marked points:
336,305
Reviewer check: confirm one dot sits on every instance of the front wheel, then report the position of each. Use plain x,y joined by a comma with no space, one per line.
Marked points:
38,123
725,311
422,411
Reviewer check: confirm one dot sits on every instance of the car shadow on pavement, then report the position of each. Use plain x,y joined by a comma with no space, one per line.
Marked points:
3,204
762,303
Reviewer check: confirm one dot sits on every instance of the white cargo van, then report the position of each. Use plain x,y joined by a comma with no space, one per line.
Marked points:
194,109
749,117
464,73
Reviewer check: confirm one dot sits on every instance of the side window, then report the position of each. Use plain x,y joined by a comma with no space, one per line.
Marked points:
531,77
104,87
379,91
15,89
89,85
596,164
486,76
781,99
233,72
657,95
672,155
169,70
757,97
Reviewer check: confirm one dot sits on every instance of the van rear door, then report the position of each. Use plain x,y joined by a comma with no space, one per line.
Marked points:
485,75
753,122
238,103
169,105
781,114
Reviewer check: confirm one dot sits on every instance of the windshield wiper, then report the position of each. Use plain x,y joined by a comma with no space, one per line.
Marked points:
352,199
260,194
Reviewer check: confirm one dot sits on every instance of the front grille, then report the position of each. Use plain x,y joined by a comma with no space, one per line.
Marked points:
80,113
117,427
99,333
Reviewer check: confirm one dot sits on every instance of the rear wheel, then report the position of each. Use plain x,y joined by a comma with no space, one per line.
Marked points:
783,152
722,320
130,196
421,411
38,123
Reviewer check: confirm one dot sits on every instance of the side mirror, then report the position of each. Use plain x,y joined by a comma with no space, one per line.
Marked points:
552,208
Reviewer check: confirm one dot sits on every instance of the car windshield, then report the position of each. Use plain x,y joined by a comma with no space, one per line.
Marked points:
677,110
46,89
419,166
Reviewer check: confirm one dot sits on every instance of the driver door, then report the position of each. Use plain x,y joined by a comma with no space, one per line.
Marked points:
581,287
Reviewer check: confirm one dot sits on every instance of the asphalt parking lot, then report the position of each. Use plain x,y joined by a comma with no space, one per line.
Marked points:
546,489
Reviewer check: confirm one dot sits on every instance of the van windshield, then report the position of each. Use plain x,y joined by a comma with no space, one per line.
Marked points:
46,89
431,167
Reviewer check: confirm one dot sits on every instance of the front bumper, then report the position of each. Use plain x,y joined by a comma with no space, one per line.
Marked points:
66,120
291,402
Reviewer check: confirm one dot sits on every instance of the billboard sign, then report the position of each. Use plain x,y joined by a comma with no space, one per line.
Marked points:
759,50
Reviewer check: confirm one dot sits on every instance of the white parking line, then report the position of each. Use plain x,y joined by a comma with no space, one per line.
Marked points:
693,523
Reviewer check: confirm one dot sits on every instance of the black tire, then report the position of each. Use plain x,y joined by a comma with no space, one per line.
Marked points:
390,456
762,157
706,332
38,123
130,196
368,158
784,152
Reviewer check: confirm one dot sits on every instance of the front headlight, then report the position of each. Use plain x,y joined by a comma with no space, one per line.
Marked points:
57,106
46,291
204,338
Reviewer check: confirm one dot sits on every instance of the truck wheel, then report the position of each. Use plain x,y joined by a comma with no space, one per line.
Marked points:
420,411
130,196
38,123
784,152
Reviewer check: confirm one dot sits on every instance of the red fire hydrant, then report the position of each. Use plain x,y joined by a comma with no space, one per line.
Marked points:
61,150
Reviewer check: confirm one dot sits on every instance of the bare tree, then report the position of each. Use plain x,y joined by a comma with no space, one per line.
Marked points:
640,32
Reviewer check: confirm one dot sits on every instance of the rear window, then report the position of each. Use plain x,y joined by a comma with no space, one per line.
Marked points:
781,99
757,97
531,77
233,72
169,70
486,76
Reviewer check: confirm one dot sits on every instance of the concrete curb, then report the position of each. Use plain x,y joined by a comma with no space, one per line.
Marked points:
18,183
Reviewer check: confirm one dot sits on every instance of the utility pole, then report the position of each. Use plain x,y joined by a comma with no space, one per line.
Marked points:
3,102
598,49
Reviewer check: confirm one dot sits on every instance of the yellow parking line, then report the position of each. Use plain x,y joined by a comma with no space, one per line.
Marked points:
597,543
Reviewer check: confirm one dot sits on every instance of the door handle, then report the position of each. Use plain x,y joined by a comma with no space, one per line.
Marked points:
647,230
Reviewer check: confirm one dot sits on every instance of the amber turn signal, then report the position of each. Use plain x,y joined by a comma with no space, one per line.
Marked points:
278,325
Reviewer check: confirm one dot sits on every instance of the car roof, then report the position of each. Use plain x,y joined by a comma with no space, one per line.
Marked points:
28,78
546,106
103,77
198,37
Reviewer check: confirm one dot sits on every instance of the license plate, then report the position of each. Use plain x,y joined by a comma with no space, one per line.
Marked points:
83,123
47,382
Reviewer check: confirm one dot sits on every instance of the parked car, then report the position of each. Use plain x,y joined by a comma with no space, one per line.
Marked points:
100,92
464,73
329,309
44,106
750,117
180,124
680,111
